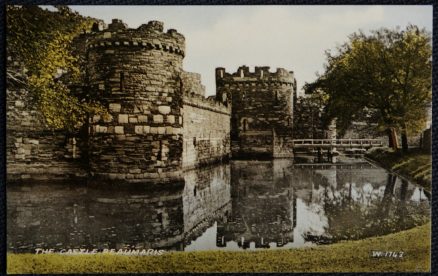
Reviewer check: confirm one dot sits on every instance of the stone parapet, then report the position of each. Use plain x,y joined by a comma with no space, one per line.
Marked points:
209,103
261,105
261,74
149,36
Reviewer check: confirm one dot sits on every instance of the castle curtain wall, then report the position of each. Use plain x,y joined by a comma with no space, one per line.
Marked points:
206,125
206,132
137,75
33,150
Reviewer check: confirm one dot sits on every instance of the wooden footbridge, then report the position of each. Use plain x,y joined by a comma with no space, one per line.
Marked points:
337,143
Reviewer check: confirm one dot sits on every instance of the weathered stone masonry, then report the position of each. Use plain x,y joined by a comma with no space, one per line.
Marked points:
192,84
261,120
32,149
139,76
159,122
206,131
137,73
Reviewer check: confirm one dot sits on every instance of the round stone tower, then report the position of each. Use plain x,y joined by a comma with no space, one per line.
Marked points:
136,74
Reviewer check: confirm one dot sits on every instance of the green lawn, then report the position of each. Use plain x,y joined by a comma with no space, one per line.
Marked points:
415,165
351,256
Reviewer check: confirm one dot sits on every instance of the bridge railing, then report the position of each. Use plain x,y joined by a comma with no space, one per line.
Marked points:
340,142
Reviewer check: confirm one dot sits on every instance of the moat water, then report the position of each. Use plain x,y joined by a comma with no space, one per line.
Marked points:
243,205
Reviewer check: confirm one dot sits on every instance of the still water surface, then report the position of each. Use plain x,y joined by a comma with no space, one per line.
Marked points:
242,205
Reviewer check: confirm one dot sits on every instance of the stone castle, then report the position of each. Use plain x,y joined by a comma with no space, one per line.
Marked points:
159,122
261,110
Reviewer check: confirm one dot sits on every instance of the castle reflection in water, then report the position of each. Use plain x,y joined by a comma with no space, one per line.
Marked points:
244,204
263,205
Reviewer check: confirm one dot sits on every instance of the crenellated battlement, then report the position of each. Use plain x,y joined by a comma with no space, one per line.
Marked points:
261,109
150,36
209,103
159,122
260,74
136,73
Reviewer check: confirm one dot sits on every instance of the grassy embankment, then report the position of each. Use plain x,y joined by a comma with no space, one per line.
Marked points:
351,256
415,165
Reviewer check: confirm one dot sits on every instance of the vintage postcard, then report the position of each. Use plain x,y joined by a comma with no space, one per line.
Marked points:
218,139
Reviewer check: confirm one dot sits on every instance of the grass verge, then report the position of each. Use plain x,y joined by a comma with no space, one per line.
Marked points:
349,256
415,165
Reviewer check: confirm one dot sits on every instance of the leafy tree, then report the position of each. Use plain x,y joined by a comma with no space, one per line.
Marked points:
307,116
41,41
386,73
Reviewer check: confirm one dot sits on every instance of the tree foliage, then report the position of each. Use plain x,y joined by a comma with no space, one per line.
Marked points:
41,40
387,74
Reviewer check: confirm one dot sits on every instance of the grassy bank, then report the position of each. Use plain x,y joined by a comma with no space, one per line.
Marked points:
352,256
415,165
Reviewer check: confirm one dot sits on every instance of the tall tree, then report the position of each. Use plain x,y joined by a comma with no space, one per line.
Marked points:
41,41
387,72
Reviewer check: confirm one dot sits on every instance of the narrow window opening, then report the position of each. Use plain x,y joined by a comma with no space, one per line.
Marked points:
181,84
160,152
245,125
122,81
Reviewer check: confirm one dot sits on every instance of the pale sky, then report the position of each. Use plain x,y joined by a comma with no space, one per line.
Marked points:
292,37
